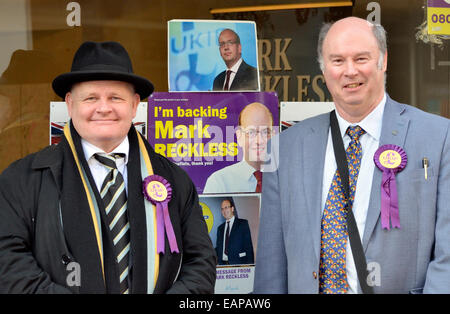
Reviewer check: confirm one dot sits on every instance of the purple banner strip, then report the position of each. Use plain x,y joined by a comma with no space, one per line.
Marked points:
438,4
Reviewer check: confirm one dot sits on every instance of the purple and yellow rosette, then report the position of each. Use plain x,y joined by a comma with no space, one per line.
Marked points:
390,159
158,191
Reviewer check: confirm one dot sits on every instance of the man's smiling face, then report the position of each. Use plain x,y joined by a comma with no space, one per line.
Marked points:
102,111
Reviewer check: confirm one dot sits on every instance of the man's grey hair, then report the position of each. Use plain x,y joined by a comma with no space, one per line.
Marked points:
378,32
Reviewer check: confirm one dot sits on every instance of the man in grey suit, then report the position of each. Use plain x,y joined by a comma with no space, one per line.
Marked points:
414,257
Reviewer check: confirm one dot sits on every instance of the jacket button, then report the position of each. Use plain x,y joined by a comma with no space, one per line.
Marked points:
65,259
314,275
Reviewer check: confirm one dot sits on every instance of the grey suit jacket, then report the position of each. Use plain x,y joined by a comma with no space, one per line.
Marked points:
409,259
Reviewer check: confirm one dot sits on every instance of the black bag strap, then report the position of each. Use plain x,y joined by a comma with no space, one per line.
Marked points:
353,234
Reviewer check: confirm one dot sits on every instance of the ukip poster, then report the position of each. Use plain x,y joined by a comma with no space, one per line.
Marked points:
218,138
199,50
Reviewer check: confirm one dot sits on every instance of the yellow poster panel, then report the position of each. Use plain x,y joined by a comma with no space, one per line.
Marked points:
439,21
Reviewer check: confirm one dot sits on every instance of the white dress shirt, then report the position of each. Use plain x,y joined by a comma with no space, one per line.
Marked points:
369,144
235,178
233,69
99,171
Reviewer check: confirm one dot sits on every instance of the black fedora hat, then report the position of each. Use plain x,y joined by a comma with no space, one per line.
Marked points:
101,61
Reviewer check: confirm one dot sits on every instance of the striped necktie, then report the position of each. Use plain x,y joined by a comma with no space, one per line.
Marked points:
227,81
332,268
114,198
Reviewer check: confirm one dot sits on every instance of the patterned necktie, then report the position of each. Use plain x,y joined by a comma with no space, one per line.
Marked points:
115,200
258,176
227,81
332,268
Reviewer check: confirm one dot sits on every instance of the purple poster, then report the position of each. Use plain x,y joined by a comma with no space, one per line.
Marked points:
218,138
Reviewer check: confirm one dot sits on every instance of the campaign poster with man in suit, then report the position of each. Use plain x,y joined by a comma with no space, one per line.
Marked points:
212,55
234,241
233,224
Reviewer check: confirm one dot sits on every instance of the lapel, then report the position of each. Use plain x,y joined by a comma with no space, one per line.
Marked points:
235,226
239,77
167,261
136,216
393,131
51,158
314,149
221,80
77,222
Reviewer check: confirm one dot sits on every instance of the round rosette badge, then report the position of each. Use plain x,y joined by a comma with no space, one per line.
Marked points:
155,191
158,191
390,159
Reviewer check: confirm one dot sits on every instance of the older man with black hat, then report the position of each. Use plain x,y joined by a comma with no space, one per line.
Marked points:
101,212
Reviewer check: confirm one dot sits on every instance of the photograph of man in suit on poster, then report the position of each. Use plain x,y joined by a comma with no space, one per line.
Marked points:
234,242
303,228
239,76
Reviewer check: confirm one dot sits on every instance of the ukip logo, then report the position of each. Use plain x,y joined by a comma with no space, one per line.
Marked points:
390,159
157,191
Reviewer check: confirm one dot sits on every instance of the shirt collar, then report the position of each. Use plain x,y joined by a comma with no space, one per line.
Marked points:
245,170
371,123
90,149
235,67
231,220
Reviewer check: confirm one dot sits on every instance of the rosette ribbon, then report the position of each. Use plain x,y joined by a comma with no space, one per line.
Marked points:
390,159
158,191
